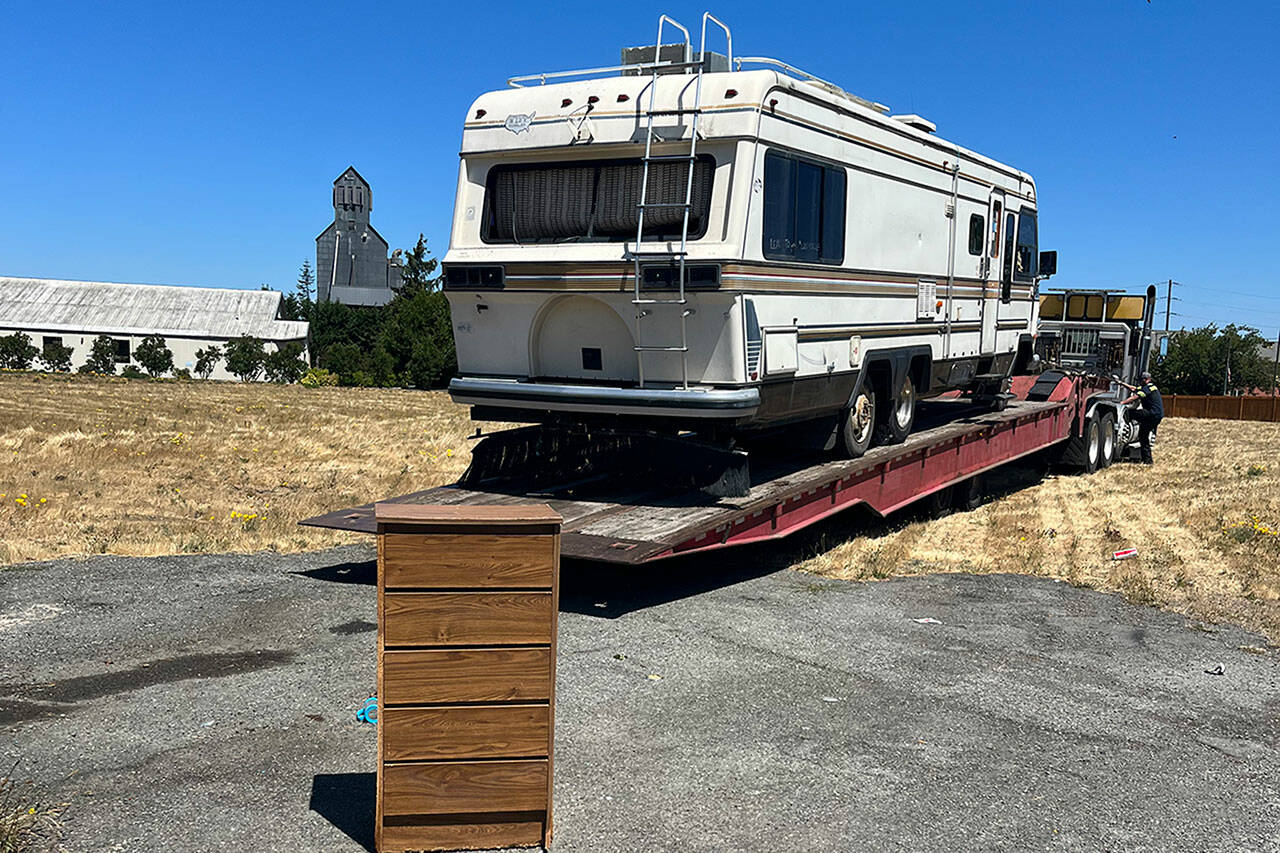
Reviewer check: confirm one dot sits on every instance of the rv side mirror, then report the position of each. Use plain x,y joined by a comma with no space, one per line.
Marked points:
1048,264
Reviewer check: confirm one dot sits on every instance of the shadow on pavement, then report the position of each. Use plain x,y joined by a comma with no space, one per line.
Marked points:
348,801
364,572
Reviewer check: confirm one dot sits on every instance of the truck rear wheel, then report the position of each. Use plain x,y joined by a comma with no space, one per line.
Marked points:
1107,440
857,424
1083,451
898,414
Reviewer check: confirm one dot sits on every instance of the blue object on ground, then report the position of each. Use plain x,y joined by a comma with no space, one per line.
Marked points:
368,712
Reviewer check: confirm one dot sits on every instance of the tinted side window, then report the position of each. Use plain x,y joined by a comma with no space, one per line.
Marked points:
833,197
779,201
804,210
976,230
1008,248
1026,258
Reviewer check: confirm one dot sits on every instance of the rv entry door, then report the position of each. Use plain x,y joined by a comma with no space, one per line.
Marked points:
991,268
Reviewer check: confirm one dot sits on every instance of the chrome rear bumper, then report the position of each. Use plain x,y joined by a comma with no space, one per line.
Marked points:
713,403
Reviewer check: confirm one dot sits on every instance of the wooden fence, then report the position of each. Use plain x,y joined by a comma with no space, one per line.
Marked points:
1222,408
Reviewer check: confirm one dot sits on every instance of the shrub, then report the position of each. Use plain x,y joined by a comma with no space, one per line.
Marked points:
245,357
16,352
318,377
132,372
56,357
183,374
207,360
102,357
285,364
154,356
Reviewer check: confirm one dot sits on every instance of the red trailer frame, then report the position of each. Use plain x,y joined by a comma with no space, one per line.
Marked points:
635,525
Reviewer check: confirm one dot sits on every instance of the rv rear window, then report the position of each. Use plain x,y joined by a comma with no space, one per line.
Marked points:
804,210
596,200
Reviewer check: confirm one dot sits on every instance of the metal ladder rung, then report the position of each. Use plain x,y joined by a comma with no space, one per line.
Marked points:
659,301
678,111
661,349
658,253
667,158
663,204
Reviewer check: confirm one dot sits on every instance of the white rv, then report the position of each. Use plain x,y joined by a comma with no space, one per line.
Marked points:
700,242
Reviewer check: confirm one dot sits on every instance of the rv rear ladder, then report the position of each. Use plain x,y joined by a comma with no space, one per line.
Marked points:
677,258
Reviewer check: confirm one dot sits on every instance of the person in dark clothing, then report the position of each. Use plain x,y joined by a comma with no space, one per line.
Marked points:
1150,414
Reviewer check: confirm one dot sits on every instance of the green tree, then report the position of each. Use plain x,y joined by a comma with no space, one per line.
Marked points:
418,333
1197,361
297,305
207,360
56,357
305,290
16,352
154,356
102,357
418,271
285,364
245,357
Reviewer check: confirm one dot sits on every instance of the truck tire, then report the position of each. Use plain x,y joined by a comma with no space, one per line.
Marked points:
1107,440
857,424
940,503
1082,451
897,415
968,493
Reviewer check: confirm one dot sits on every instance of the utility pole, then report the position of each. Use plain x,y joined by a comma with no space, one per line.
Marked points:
1275,367
1226,374
1168,305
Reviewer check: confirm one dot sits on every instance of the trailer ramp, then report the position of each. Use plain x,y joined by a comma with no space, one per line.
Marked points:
631,523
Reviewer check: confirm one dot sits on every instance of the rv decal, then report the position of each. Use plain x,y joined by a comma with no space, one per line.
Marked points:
519,123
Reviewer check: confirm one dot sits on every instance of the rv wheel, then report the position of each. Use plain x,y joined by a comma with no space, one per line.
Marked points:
899,415
857,423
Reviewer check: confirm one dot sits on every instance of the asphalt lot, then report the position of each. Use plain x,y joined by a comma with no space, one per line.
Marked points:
208,703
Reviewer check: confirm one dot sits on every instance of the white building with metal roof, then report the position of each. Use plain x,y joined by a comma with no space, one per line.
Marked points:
74,313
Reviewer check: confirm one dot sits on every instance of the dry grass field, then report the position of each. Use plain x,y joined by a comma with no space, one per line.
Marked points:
94,466
114,466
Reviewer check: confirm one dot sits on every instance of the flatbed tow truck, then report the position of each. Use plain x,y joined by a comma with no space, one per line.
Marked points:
956,444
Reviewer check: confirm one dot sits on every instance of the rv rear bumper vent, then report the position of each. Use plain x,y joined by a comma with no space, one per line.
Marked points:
696,276
466,276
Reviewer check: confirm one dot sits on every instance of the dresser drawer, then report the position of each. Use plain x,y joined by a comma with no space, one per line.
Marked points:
466,618
466,731
461,561
465,675
458,787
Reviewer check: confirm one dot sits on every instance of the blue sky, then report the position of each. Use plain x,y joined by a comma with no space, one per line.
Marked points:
195,143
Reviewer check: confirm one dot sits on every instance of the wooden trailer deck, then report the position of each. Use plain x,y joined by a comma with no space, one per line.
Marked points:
633,523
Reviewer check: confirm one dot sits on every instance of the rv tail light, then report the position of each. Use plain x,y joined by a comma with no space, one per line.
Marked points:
566,102
938,307
754,376
479,113
773,102
623,98
731,93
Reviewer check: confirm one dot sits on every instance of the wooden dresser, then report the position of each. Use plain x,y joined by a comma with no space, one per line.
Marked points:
467,603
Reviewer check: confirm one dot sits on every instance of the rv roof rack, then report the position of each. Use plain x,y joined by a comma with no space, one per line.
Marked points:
543,77
806,77
702,61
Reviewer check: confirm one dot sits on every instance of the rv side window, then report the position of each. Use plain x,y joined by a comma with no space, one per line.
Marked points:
1009,222
977,229
1026,258
804,210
